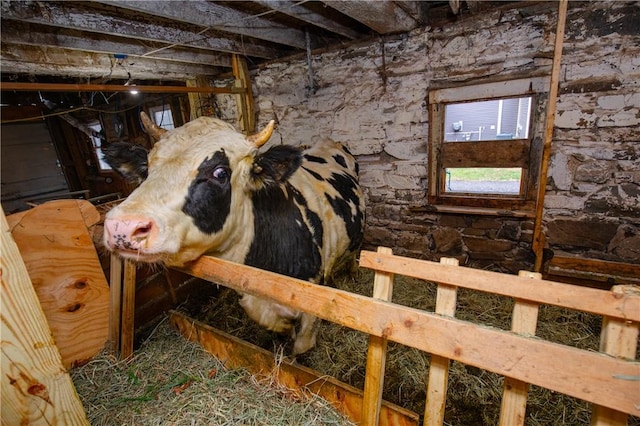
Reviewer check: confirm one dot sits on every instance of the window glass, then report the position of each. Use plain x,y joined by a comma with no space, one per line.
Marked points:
483,180
97,146
162,116
497,119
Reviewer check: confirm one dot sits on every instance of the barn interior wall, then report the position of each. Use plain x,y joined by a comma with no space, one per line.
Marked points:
373,98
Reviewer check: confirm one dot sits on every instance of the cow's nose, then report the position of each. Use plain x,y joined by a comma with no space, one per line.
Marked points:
130,234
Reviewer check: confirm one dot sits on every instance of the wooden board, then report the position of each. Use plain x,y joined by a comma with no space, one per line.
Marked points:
579,373
66,274
236,353
36,389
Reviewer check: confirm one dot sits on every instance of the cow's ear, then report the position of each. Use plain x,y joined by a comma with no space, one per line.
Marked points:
128,159
276,164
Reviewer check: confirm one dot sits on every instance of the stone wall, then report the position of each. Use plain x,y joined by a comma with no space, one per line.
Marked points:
373,98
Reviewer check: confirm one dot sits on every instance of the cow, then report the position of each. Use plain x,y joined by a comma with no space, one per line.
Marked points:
208,189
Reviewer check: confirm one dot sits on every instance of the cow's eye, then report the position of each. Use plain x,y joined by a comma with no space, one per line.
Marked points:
221,174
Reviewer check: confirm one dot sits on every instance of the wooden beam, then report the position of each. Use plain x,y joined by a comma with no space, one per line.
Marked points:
538,236
514,394
62,87
210,15
236,353
304,14
376,354
25,33
437,385
84,18
246,108
383,16
599,302
618,338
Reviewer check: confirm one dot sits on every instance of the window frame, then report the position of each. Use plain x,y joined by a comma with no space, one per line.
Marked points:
96,145
524,153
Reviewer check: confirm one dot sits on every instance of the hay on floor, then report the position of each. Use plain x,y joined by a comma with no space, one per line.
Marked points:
171,381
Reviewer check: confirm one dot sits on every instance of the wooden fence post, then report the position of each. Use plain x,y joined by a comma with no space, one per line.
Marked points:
439,367
618,338
514,396
115,306
377,353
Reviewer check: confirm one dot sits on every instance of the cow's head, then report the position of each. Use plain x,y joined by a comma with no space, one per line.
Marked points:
194,192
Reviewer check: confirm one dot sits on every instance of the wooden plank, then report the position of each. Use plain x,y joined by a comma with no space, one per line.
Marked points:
504,153
446,298
36,388
246,108
236,353
115,304
66,274
82,18
496,89
70,87
205,14
618,338
376,353
36,35
595,269
599,302
128,309
524,321
383,16
538,233
574,372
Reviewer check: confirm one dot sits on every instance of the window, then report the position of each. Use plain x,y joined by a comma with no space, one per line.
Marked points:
97,146
484,151
162,116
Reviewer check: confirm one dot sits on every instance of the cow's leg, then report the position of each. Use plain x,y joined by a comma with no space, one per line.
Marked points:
306,337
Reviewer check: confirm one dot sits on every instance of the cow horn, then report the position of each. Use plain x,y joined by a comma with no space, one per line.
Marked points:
152,128
260,138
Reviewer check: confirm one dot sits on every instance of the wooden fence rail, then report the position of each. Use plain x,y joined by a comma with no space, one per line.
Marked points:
605,380
609,379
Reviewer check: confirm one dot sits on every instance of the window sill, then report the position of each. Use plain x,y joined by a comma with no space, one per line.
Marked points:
480,211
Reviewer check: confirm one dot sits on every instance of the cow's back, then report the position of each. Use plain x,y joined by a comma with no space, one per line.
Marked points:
309,224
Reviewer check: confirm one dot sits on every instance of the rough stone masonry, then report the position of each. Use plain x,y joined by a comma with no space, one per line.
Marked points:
373,98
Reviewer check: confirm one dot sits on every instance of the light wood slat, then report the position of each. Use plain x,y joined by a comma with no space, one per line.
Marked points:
115,304
35,387
514,395
237,353
128,309
574,372
539,237
591,300
58,251
618,338
376,354
446,298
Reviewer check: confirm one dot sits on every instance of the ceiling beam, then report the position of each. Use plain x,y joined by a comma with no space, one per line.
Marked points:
46,60
300,12
25,33
383,16
213,16
56,87
73,16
